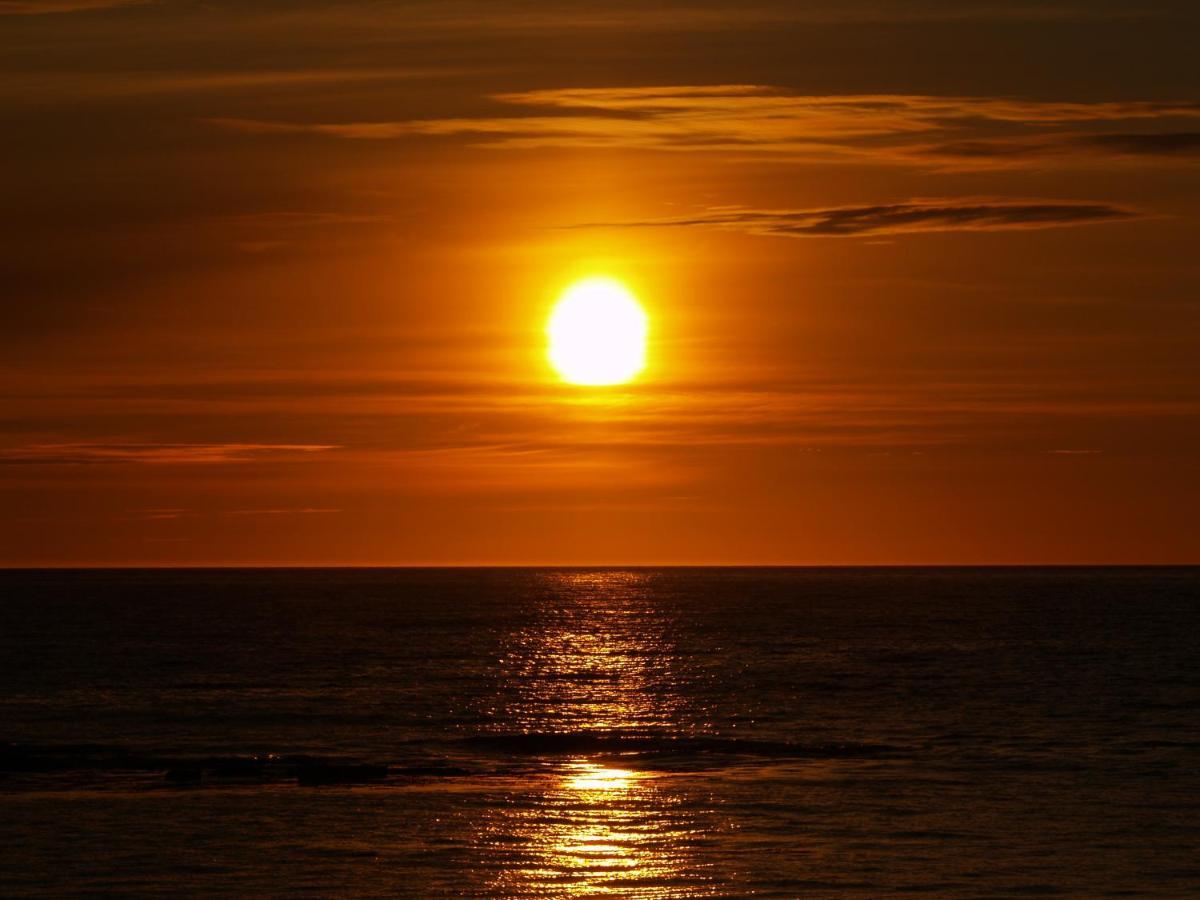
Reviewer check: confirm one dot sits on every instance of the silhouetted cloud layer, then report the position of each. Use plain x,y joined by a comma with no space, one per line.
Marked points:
895,218
1186,142
1016,151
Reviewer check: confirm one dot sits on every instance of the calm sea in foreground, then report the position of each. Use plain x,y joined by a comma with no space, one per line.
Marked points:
641,733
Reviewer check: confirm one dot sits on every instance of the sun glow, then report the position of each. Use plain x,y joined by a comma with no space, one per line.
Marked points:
597,333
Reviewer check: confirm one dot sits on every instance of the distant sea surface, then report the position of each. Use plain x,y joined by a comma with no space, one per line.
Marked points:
635,733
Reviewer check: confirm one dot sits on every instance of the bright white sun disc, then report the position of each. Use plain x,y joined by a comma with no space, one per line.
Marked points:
597,333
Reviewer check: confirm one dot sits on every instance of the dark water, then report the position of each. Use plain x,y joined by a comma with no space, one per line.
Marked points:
643,733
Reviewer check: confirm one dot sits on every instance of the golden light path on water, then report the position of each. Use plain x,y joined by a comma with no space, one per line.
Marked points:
600,830
600,662
599,659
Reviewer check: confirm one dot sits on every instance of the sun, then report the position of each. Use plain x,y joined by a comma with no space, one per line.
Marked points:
597,333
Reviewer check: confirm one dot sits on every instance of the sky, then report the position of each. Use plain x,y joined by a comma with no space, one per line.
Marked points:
922,282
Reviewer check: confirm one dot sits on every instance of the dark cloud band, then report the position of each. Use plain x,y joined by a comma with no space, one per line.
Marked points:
896,218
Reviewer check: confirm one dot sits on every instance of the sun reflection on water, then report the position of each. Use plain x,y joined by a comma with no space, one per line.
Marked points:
597,830
597,662
598,657
593,777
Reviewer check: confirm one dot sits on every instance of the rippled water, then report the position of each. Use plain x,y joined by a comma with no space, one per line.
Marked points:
645,733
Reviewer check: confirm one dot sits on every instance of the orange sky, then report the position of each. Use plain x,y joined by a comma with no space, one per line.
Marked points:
922,280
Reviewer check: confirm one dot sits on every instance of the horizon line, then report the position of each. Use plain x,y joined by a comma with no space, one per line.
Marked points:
577,566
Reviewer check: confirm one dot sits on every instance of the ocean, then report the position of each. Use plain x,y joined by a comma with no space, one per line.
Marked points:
600,732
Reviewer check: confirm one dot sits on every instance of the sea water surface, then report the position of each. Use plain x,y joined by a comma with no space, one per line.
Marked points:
638,733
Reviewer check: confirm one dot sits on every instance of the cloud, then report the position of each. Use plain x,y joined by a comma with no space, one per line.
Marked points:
289,219
151,82
840,113
510,131
894,218
173,513
1003,153
157,514
903,128
537,17
44,7
1168,144
172,453
704,15
300,511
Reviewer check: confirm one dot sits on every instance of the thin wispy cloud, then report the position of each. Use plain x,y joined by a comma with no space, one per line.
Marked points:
46,7
895,218
1010,152
921,130
159,514
153,82
172,513
838,114
1186,143
153,454
473,17
297,511
287,220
